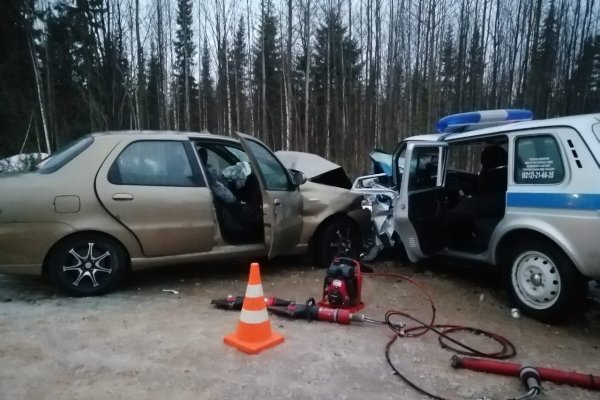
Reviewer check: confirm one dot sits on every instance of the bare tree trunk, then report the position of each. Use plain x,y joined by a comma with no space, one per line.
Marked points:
328,94
308,52
264,78
39,89
227,88
201,125
140,70
186,99
163,108
249,64
288,81
341,154
176,104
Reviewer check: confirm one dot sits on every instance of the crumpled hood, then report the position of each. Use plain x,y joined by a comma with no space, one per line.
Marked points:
310,164
315,168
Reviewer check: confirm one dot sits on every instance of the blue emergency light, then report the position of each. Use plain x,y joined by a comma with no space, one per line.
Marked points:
481,119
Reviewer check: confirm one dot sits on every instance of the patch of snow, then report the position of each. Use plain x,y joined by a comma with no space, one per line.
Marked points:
20,162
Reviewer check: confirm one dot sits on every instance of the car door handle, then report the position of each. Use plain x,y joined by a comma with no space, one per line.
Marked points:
277,202
122,197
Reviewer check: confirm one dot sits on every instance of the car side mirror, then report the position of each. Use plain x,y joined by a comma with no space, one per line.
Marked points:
299,178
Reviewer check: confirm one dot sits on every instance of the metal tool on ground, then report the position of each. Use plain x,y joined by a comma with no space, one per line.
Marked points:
311,311
343,285
235,302
587,381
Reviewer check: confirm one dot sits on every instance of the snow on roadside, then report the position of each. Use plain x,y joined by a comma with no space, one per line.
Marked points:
20,162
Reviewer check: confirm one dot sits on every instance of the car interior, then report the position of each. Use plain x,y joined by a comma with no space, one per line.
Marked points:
238,203
462,214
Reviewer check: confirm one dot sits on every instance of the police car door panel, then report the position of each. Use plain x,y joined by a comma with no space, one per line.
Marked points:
418,209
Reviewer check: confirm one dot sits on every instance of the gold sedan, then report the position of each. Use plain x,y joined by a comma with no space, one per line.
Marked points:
119,201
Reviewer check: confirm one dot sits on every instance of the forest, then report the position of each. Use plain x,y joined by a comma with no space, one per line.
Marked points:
333,77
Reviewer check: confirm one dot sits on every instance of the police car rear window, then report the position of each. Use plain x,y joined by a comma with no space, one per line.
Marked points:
538,160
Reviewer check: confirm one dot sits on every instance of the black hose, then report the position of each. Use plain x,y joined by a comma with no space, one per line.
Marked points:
507,349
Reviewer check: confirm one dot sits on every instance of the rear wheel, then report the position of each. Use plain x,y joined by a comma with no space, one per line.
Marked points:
340,237
543,282
87,265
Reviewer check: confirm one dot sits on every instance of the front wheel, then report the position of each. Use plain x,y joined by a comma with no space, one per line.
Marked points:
87,265
340,237
543,282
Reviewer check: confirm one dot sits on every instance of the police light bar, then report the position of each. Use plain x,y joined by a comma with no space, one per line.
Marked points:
481,119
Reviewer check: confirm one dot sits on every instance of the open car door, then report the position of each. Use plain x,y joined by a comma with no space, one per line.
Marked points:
418,209
282,201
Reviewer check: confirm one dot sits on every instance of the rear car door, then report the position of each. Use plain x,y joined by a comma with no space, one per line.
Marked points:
282,201
156,190
418,209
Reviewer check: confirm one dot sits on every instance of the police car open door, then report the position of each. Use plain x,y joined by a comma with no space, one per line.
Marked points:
418,209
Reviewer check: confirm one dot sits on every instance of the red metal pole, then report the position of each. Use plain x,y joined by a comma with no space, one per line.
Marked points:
546,374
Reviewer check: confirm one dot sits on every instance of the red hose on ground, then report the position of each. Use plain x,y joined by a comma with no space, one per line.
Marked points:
512,369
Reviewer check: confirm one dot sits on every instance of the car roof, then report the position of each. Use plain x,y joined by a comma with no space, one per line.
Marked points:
166,134
579,122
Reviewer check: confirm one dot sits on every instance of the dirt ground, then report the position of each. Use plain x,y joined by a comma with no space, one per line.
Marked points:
143,343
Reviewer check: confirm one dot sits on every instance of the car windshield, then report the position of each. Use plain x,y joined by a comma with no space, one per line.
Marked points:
63,156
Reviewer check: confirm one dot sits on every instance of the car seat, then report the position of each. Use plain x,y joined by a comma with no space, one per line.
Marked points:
492,193
493,175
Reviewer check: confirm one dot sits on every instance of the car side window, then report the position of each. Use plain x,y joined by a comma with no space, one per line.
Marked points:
423,168
152,163
275,175
538,160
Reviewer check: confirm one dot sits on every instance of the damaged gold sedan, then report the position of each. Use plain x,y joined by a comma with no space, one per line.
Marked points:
118,201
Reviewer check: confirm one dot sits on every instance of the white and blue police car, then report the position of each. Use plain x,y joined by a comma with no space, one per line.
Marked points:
501,188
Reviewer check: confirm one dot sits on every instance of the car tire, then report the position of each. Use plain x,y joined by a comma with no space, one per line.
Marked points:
339,237
87,265
543,282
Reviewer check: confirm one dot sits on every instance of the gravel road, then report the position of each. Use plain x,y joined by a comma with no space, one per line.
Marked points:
144,343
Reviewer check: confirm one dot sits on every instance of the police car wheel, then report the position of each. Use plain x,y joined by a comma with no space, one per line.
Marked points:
543,282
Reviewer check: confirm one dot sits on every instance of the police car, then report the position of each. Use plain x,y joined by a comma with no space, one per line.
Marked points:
500,188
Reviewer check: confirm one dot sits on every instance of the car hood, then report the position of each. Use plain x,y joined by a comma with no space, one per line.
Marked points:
316,168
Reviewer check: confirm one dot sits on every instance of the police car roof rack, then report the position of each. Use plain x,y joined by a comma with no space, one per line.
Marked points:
473,120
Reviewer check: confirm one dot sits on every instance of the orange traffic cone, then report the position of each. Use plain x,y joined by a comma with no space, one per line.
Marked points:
254,333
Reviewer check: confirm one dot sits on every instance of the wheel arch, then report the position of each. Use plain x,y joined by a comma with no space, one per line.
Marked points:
515,236
84,232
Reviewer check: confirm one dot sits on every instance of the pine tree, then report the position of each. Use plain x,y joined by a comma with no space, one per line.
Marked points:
584,86
153,90
336,74
543,67
267,69
237,70
17,93
185,49
475,71
447,74
208,117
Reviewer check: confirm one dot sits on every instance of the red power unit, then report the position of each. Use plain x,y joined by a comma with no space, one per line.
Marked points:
343,285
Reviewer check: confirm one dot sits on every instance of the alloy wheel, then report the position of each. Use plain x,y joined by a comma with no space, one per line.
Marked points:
88,266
